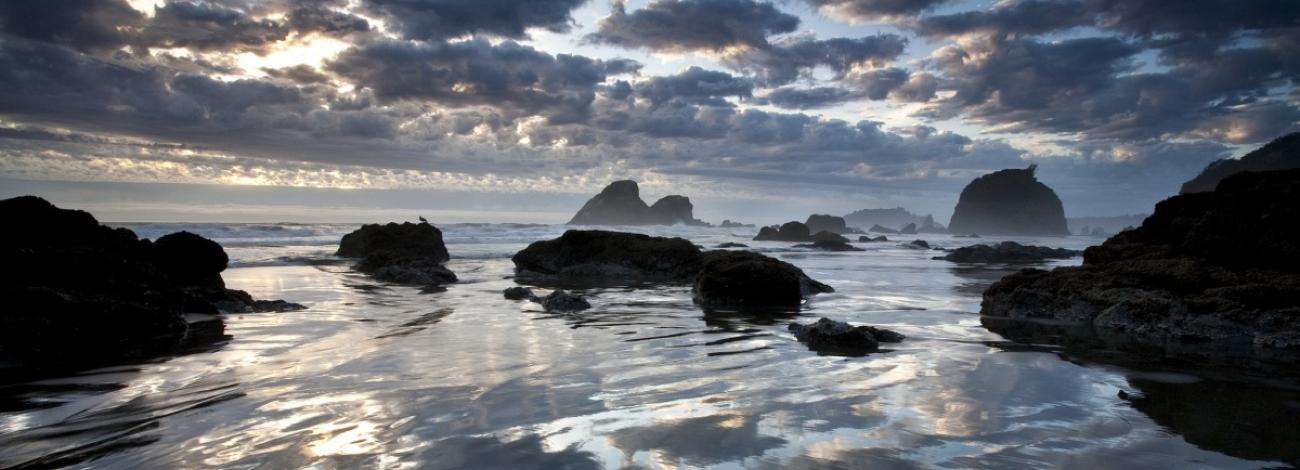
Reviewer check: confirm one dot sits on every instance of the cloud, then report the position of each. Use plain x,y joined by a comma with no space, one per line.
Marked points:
871,10
695,85
691,25
876,84
442,19
87,25
787,60
1021,18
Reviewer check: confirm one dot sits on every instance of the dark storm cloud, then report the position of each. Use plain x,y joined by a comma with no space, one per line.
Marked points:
518,79
88,25
687,25
867,10
203,26
1196,17
877,84
1026,17
441,19
695,85
807,98
304,74
785,61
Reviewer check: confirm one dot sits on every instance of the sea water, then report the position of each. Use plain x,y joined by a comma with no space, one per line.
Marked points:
375,375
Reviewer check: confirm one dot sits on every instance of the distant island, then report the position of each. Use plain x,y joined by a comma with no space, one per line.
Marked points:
620,204
895,219
1009,202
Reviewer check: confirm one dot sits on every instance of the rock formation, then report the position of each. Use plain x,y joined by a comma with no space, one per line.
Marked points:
748,280
881,229
620,204
560,301
795,232
721,278
1009,202
830,245
836,337
867,238
826,223
519,293
1209,274
909,229
896,217
404,253
1007,252
1282,153
77,292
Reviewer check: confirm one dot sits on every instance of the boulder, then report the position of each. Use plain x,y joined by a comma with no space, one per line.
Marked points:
880,229
620,204
1282,153
787,232
519,293
826,223
1007,252
77,292
611,256
750,280
829,245
840,338
828,236
1207,274
1009,202
917,245
732,245
909,229
561,301
403,253
867,238
727,223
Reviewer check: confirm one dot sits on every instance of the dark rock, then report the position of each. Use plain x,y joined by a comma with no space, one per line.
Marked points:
1208,274
928,225
880,229
917,245
561,301
866,238
404,253
1007,252
519,293
826,223
611,256
837,337
732,245
1282,153
966,236
727,223
1009,202
828,237
909,229
830,245
620,204
787,232
748,279
276,306
78,292
896,217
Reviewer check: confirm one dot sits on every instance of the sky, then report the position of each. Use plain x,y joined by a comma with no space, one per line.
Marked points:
518,111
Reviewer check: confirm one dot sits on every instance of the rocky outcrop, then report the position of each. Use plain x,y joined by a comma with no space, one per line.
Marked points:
1208,274
620,204
1009,202
611,256
836,337
732,245
747,280
561,301
403,253
909,229
826,223
1007,252
917,245
880,229
77,292
1282,153
896,217
727,223
795,232
868,238
830,245
519,293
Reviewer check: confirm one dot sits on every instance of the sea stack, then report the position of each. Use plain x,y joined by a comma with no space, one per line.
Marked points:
620,204
1283,153
1009,202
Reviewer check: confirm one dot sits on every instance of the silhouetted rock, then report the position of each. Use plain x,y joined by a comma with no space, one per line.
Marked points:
826,223
1282,153
611,256
909,229
561,301
837,337
727,223
1207,274
1007,252
868,238
1009,202
77,292
830,245
787,232
917,245
620,204
745,279
828,237
732,245
404,253
519,293
896,217
966,236
928,225
879,229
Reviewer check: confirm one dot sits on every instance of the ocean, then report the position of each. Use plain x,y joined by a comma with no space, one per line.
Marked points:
374,375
